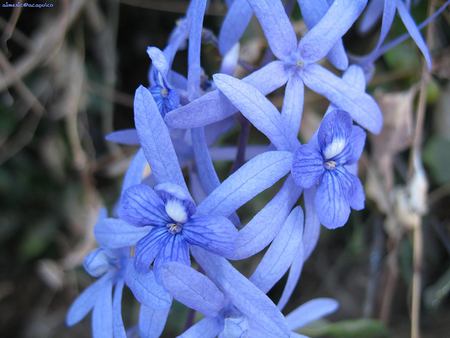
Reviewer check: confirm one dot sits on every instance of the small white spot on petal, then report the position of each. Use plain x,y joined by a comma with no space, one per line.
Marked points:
176,211
334,148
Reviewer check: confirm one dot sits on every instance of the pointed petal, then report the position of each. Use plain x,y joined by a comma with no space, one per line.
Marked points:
292,110
388,15
332,198
141,206
155,139
135,172
205,328
341,15
149,247
334,133
278,258
230,60
114,233
257,109
102,316
214,106
196,13
234,24
213,233
370,17
125,136
357,196
357,140
176,249
205,168
146,289
85,301
245,296
310,311
362,107
152,322
312,12
413,31
158,60
354,76
255,176
193,289
118,327
294,276
312,224
276,26
307,166
266,224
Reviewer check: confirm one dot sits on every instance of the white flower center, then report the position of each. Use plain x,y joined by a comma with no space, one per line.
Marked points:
176,211
334,148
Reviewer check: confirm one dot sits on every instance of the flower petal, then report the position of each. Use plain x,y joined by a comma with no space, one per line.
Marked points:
257,109
341,15
413,31
152,322
234,24
357,198
192,288
258,174
362,108
125,136
354,76
334,133
86,301
195,14
158,60
230,59
293,277
213,233
278,258
176,249
276,26
312,224
118,327
245,296
292,110
135,172
307,166
214,106
141,206
205,328
102,316
310,311
312,12
155,139
332,198
266,224
114,233
205,168
149,247
370,17
146,289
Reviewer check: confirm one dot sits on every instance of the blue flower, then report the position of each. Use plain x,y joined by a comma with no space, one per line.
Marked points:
297,66
166,97
170,215
109,266
326,162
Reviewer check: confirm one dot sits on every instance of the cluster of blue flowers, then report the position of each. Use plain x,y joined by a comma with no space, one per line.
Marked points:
174,209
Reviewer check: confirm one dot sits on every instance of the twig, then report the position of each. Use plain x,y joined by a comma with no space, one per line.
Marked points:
414,162
174,6
10,27
45,43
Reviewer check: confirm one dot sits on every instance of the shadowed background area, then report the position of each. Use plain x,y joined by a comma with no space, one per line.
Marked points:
67,78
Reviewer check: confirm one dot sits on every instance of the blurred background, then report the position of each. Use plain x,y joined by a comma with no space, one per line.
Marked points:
67,78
